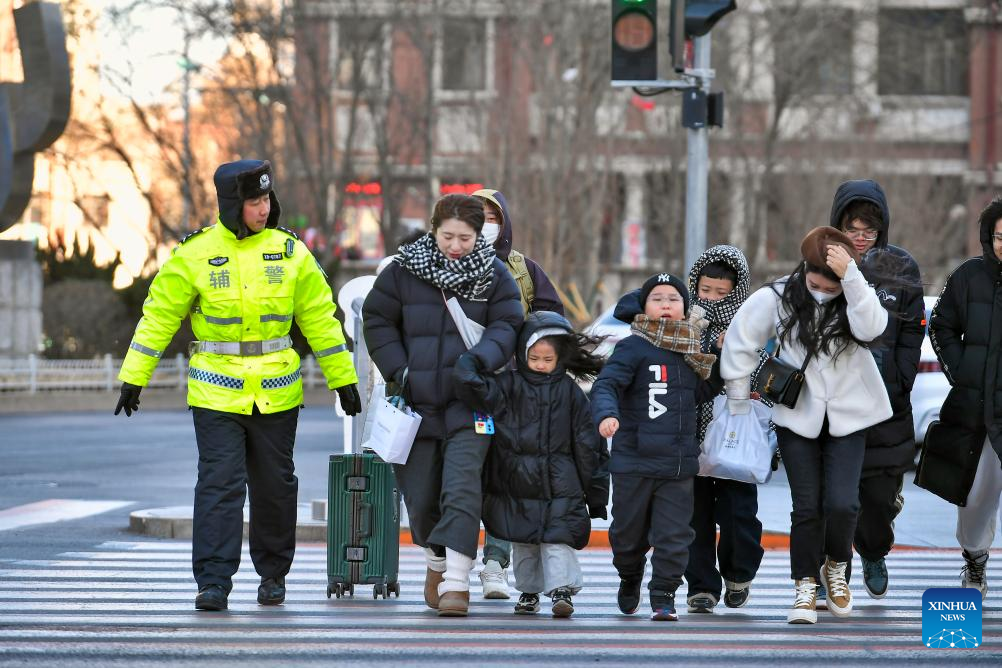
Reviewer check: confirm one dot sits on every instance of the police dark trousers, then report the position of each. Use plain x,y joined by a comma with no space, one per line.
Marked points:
441,484
880,502
824,482
237,453
651,512
733,506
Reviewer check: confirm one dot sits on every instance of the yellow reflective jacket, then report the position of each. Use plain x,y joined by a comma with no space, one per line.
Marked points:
246,290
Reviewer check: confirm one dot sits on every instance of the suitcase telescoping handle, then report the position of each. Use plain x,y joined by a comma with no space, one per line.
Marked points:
365,520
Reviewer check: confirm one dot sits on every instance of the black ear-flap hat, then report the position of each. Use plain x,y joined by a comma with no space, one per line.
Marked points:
239,181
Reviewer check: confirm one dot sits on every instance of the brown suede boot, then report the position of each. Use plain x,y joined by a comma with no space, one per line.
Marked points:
454,604
431,581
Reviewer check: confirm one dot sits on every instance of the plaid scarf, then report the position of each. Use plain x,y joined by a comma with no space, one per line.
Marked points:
469,276
680,336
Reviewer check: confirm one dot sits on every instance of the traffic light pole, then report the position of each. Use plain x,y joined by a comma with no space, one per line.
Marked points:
697,171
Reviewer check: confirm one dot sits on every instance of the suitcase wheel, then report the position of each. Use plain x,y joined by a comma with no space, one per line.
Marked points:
329,591
377,590
395,588
338,590
351,589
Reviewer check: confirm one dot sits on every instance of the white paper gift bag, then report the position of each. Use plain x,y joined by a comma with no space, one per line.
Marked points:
738,447
393,431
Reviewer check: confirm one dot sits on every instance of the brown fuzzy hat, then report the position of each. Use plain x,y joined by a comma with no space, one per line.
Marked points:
814,247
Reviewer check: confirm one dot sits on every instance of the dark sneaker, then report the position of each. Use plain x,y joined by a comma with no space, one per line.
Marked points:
701,603
271,591
973,574
736,593
562,605
528,604
628,597
821,595
663,606
211,597
875,577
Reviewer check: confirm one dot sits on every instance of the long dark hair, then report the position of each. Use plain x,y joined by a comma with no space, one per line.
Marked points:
819,329
575,353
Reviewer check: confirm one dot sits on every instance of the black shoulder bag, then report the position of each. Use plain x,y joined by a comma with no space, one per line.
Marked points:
780,382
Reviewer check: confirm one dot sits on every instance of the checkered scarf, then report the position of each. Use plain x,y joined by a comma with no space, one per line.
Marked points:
469,276
680,336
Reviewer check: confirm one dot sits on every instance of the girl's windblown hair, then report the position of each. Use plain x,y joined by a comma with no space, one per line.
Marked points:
575,353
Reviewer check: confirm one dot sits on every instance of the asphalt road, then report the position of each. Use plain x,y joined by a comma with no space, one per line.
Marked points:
148,460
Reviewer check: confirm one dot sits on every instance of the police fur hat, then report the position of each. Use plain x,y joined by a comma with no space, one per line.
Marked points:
239,181
814,247
664,279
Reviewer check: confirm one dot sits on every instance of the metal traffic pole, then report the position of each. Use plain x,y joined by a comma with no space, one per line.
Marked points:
697,171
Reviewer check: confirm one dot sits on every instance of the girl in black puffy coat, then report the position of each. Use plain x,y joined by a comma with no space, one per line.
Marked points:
546,473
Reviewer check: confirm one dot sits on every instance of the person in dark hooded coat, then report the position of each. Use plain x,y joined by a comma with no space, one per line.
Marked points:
966,332
537,293
546,472
860,210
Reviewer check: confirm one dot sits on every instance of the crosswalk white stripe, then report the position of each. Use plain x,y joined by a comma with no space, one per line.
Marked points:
54,510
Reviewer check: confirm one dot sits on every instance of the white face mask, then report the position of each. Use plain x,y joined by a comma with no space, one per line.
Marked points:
821,297
491,232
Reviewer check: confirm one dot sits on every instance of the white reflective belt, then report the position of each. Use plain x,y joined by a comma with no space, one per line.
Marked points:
241,348
330,351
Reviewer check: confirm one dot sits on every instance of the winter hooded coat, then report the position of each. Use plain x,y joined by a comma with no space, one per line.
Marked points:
657,429
407,326
546,469
545,295
890,445
966,333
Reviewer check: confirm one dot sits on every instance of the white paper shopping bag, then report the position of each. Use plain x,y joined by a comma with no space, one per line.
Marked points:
738,447
393,432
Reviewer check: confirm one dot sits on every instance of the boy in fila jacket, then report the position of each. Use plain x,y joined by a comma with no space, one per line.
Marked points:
645,399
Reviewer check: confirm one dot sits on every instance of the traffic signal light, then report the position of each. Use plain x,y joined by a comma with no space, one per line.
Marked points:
634,40
698,17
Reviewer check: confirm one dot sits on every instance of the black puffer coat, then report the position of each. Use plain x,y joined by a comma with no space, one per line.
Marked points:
546,469
890,445
407,325
966,332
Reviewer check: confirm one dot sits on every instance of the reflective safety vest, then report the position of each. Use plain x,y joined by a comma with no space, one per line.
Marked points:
241,291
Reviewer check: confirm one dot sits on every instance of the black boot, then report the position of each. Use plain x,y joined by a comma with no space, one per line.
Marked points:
629,595
211,597
663,606
271,591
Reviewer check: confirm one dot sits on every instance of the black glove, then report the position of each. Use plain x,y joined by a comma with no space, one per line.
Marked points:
468,365
598,512
395,387
775,461
129,399
351,402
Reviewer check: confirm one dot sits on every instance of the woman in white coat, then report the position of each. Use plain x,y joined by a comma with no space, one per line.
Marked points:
825,310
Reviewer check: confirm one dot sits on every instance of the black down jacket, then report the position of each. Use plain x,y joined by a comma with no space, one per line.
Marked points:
966,333
546,469
890,445
653,393
407,326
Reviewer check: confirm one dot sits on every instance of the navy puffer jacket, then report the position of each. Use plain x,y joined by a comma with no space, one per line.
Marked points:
407,326
653,393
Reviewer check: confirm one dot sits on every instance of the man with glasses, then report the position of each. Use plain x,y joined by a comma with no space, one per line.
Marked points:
860,211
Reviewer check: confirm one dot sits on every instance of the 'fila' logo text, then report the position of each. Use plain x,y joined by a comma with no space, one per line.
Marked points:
655,408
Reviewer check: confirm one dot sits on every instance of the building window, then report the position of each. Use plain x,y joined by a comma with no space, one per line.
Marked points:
464,55
360,49
922,52
813,54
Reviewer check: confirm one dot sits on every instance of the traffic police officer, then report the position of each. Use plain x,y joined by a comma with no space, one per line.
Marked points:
242,281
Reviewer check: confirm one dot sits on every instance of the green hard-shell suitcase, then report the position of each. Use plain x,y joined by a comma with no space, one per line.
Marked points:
363,525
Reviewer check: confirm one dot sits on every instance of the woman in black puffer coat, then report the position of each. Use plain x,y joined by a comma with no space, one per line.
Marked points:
546,471
414,342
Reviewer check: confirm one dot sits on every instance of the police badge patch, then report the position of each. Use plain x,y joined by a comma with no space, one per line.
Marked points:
290,246
219,261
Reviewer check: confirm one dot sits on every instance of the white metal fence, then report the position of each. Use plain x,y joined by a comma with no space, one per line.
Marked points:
37,374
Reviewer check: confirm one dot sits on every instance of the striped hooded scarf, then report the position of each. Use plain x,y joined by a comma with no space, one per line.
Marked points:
719,312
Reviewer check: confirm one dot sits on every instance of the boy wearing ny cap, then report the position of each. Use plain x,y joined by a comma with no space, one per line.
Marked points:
242,282
645,399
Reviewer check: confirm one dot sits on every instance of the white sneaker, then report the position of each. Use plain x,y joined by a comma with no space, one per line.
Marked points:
973,574
495,580
804,611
